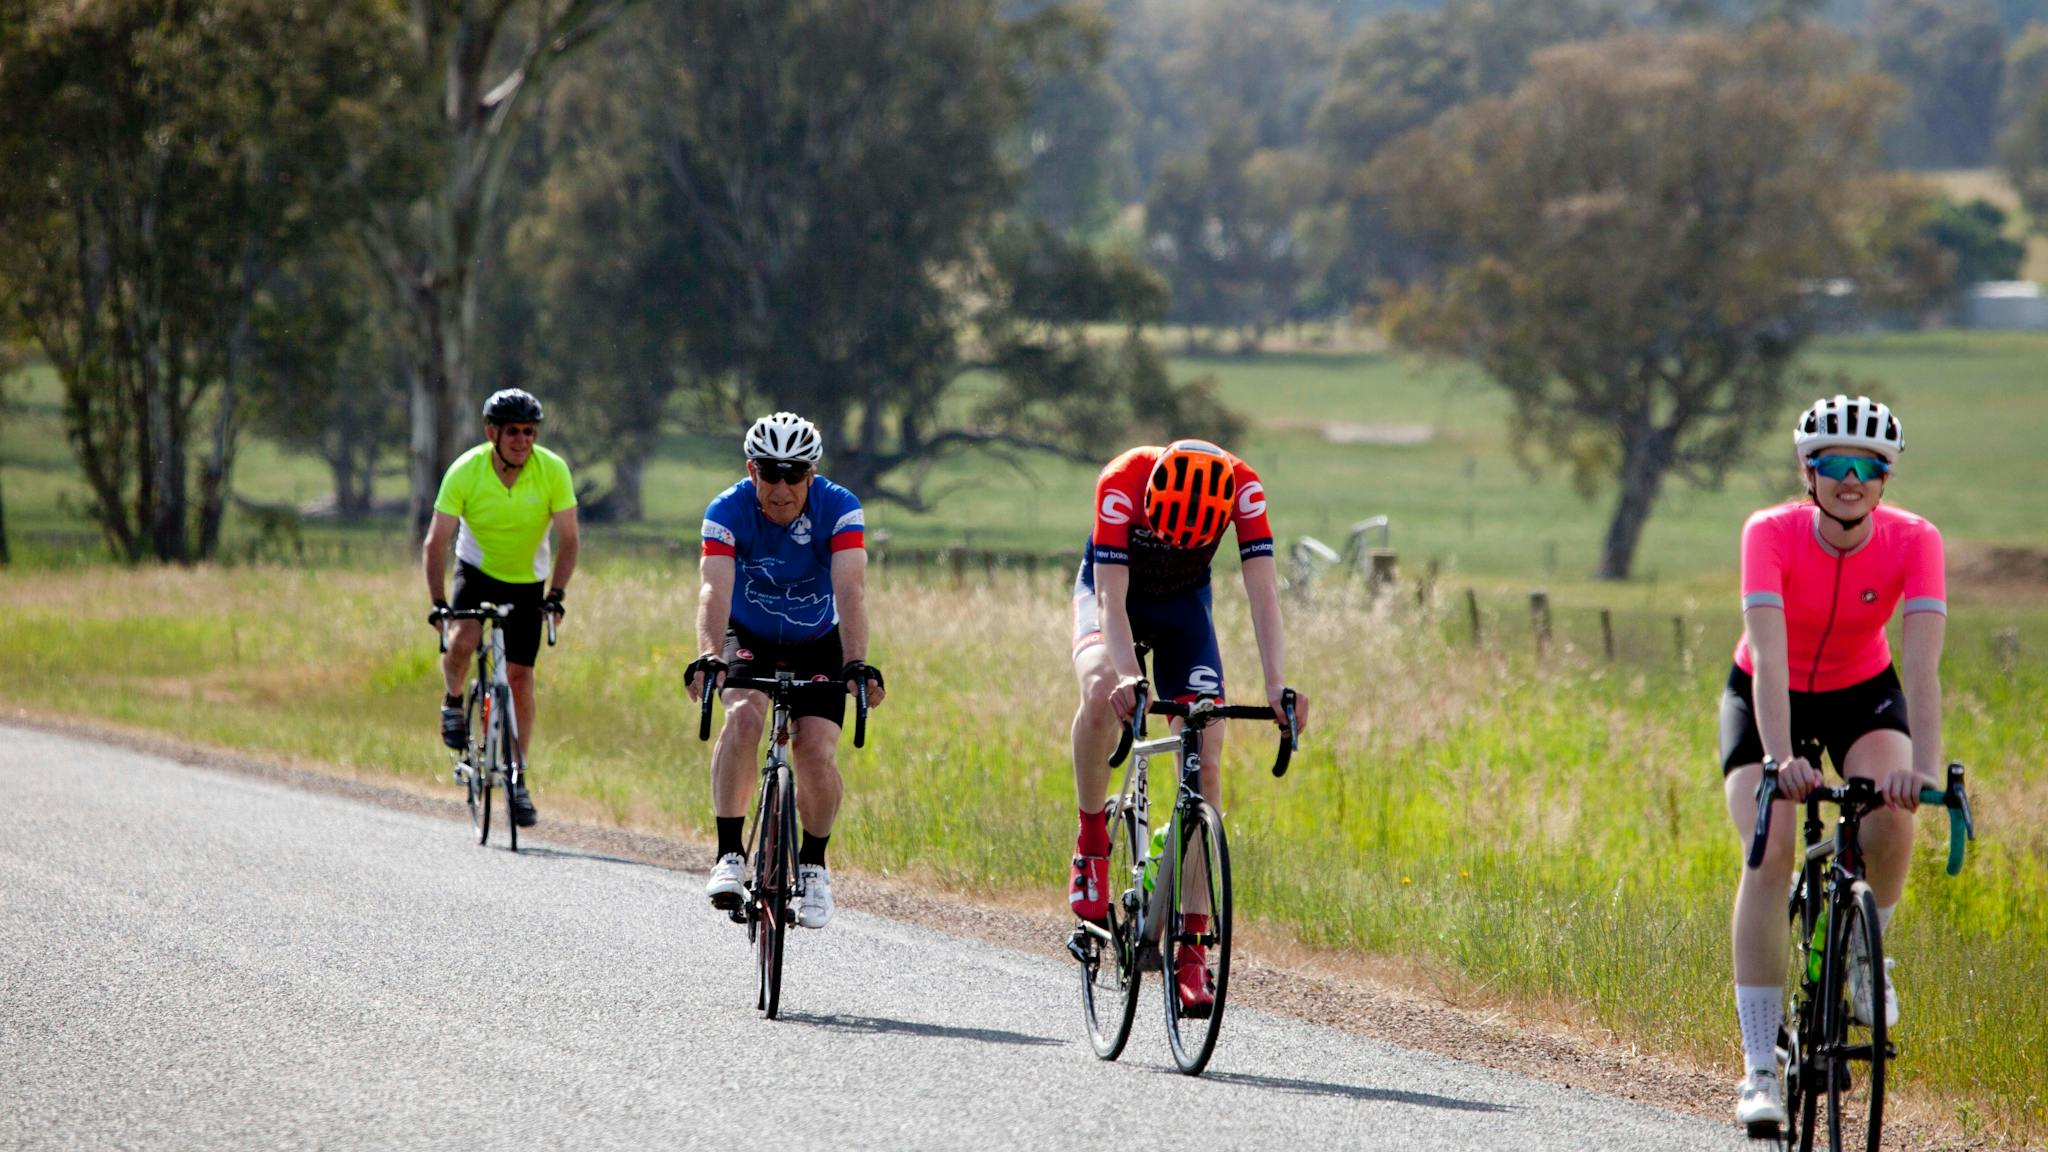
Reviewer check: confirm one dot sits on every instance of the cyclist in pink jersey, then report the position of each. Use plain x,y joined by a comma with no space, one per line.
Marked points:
1820,580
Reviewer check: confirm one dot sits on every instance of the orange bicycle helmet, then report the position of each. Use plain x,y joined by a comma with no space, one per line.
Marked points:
1188,496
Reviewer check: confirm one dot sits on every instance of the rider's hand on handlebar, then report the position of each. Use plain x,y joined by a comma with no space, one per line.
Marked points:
1123,698
1274,692
434,614
1796,778
552,605
1902,789
693,676
858,670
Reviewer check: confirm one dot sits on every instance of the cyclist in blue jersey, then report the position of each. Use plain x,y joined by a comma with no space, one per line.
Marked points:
784,573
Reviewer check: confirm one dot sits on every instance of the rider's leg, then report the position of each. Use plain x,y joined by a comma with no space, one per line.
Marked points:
1887,833
815,748
463,636
732,758
1096,728
521,678
1761,924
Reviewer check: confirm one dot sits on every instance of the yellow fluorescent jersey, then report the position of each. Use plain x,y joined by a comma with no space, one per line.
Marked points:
505,531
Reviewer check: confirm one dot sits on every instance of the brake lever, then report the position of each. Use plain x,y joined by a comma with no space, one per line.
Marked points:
1766,794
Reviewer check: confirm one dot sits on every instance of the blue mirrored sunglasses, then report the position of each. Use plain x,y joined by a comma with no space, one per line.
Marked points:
1866,468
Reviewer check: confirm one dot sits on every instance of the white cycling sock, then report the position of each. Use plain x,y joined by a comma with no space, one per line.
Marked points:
1760,1009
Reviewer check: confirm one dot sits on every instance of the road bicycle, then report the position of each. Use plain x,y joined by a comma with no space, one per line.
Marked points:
1183,869
775,887
1829,1053
491,759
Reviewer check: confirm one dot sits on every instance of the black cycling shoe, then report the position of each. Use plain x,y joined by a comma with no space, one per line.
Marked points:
454,728
524,813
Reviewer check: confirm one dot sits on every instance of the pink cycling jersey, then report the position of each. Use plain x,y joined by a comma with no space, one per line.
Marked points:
1837,604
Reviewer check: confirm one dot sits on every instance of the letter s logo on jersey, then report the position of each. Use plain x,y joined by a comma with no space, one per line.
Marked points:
1251,499
1116,508
1204,680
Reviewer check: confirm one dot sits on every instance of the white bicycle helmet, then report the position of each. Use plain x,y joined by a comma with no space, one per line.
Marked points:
1848,422
784,436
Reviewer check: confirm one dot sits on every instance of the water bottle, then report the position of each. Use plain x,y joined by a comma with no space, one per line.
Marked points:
1152,858
1816,949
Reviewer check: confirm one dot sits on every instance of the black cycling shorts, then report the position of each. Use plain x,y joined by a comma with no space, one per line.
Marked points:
1833,721
819,660
473,589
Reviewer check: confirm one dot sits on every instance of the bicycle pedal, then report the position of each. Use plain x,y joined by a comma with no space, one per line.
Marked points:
737,915
462,772
1763,1130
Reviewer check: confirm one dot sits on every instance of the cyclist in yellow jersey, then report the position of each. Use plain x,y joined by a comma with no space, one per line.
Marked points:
502,504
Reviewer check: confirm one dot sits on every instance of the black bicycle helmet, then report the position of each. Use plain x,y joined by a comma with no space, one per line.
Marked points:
512,406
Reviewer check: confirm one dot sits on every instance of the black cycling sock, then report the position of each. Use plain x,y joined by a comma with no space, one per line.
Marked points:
811,850
731,835
451,701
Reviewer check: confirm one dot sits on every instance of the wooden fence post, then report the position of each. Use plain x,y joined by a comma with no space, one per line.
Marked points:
1607,633
2006,642
1472,613
1381,574
1539,616
1678,640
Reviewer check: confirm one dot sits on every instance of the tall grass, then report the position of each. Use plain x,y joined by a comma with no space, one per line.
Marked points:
1550,835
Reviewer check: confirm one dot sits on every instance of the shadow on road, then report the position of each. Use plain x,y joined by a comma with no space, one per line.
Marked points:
1351,1092
569,854
882,1026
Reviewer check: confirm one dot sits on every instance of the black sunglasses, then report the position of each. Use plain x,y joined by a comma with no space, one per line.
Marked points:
782,471
528,431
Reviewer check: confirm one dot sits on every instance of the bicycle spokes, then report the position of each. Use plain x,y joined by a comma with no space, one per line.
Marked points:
1195,940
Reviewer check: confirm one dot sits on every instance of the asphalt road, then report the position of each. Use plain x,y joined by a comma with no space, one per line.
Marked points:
191,959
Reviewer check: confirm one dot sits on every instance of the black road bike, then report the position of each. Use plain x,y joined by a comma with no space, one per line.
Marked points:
776,885
1831,1054
492,759
1185,870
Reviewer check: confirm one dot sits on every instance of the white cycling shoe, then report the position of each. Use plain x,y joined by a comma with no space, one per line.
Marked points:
1860,990
815,909
1760,1103
728,884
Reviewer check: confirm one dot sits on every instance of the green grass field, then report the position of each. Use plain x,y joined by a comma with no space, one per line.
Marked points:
1545,836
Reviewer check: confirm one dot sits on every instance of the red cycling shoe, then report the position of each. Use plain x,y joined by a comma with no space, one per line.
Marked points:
1191,982
1088,888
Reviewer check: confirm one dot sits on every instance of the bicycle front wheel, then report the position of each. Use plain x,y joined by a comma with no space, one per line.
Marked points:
1857,1048
482,755
1195,941
1109,968
774,881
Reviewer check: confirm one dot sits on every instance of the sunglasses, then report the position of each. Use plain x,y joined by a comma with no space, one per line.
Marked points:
1866,468
781,471
524,431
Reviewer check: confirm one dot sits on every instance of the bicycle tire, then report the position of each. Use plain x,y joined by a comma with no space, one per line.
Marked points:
484,768
1200,837
1855,1111
1109,969
513,769
773,872
1801,1028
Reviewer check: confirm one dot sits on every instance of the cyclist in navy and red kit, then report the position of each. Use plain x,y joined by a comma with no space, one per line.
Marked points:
1160,514
784,575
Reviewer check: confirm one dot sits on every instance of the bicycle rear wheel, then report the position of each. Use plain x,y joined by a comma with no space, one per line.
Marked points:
774,878
1856,1051
508,742
1198,879
482,755
1109,968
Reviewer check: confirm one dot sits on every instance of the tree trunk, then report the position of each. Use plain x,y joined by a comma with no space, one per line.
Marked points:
1646,456
6,557
216,479
629,467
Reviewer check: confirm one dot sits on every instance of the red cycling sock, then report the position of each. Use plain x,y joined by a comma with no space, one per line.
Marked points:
1094,837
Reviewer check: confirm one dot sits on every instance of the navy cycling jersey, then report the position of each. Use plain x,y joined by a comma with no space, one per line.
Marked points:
782,591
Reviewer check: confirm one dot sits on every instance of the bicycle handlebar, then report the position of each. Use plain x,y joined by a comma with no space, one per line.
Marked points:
499,612
1204,712
779,689
1961,827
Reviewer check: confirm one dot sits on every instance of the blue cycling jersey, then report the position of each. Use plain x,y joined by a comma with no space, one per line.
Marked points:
782,591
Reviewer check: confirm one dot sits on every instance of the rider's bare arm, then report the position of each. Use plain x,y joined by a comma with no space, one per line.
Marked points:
714,608
567,541
1262,590
1922,636
434,554
850,591
1112,590
1772,684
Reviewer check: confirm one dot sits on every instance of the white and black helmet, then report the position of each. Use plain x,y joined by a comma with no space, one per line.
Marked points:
1848,422
784,436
